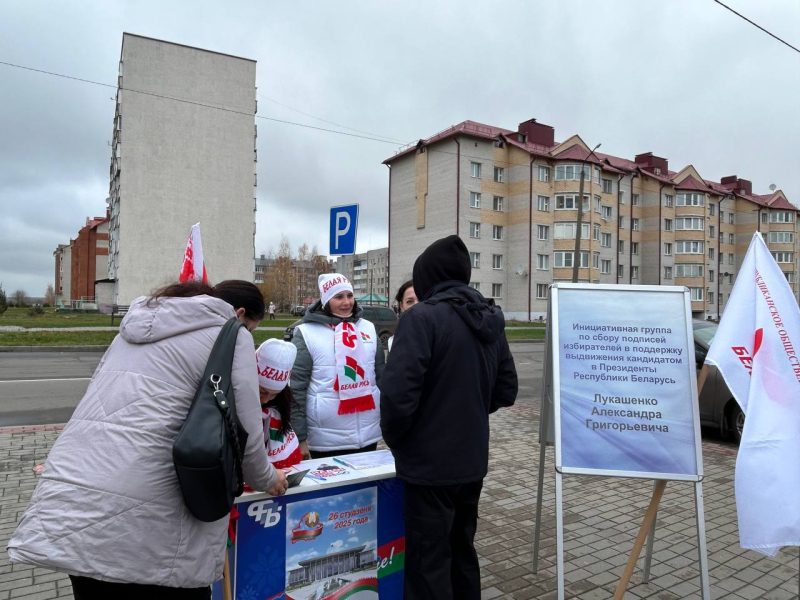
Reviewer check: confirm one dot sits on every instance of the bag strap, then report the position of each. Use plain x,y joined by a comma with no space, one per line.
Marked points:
218,376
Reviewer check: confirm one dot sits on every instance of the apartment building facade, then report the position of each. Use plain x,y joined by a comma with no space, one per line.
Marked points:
183,152
514,196
81,262
369,274
290,281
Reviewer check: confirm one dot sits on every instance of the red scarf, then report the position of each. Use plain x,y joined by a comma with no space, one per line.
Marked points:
354,388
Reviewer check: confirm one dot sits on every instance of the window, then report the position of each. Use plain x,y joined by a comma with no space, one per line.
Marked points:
543,262
474,200
606,213
667,224
499,174
475,169
711,209
497,261
621,247
620,270
783,257
789,276
731,258
731,238
572,172
688,247
474,229
667,272
566,231
687,223
570,201
621,222
764,216
605,266
595,260
688,270
542,232
668,200
635,200
497,232
596,231
605,240
781,237
711,254
712,231
667,249
564,259
691,199
475,259
621,197
497,290
711,275
475,285
635,224
696,294
731,218
711,297
634,247
541,291
497,203
606,186
781,217
544,173
543,203
597,204
634,272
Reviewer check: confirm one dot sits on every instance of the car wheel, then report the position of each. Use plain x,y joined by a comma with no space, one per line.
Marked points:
735,422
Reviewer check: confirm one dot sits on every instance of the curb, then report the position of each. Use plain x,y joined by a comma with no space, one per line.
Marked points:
53,348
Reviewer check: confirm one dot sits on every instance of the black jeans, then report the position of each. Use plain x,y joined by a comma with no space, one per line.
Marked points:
86,588
328,454
441,561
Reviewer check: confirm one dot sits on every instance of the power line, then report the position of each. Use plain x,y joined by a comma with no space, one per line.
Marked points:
754,24
201,104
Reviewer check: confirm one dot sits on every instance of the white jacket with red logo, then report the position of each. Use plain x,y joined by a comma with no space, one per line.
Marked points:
315,414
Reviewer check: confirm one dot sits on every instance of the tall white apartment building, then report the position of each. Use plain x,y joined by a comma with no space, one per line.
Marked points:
369,274
183,152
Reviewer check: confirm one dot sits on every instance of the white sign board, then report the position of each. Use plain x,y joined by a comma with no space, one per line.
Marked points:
624,381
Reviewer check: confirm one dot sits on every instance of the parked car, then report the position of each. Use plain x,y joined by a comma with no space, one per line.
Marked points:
718,407
298,311
383,317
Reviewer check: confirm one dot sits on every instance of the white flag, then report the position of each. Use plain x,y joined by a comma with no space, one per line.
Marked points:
757,351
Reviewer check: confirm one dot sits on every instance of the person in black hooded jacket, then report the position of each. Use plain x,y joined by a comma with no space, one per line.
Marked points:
450,368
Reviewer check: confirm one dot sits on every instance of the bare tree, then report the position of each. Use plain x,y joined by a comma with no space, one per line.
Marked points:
50,295
3,300
19,297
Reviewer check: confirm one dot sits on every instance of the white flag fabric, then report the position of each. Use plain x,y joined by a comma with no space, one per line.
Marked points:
757,351
193,267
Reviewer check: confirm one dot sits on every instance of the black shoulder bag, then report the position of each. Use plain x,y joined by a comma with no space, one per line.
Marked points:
210,445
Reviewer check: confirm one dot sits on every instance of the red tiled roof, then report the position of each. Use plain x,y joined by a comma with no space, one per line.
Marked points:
577,152
690,183
473,128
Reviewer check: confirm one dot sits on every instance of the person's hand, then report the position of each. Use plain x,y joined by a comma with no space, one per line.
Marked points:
304,450
280,486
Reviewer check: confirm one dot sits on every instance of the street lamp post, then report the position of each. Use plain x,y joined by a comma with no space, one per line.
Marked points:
576,258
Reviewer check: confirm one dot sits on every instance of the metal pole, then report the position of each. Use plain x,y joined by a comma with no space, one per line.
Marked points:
649,550
576,257
559,536
701,540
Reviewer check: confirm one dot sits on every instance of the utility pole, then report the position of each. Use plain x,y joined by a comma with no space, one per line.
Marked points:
576,258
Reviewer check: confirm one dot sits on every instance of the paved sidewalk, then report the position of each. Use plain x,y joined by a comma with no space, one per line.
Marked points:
602,516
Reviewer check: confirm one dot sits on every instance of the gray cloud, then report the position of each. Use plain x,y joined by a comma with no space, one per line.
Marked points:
685,80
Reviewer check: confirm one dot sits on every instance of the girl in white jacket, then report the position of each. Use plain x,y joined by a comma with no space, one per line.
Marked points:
108,509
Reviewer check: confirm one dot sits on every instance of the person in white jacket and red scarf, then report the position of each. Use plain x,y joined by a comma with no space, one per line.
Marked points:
335,375
108,509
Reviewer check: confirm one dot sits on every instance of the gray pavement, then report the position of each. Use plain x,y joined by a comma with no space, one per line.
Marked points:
602,516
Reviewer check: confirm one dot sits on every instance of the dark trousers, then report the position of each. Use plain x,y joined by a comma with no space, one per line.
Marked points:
329,453
86,588
441,561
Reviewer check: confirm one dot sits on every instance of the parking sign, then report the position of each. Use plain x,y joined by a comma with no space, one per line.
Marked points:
344,222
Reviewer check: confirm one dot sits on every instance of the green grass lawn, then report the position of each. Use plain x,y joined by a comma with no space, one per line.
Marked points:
51,318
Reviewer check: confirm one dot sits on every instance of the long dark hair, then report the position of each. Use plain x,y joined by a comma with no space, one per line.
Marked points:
283,403
402,291
236,292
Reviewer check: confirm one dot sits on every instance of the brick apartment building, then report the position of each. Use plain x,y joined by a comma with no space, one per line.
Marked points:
80,263
513,196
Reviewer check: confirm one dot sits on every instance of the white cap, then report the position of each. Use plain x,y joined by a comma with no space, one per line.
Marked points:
275,359
331,284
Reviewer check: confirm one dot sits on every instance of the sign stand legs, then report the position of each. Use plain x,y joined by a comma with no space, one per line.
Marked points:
648,554
701,540
560,535
538,520
649,518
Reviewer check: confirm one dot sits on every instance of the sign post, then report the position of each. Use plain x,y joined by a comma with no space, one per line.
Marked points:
622,396
344,223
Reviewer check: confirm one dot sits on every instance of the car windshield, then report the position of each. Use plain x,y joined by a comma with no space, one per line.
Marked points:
705,333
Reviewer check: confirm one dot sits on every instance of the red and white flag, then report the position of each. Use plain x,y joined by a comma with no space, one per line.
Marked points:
757,351
194,267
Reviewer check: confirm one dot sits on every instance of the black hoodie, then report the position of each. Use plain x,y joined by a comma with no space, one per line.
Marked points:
450,366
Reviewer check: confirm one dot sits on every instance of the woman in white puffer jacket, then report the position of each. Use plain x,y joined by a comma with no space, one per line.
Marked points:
108,509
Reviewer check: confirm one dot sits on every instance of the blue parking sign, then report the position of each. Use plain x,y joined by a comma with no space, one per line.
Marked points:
344,221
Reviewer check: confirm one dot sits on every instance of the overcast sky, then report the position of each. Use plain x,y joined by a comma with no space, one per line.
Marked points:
685,79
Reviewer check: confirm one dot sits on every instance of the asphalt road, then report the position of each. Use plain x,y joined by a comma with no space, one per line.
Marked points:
44,387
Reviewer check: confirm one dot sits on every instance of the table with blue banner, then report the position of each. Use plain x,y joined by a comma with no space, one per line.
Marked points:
338,534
